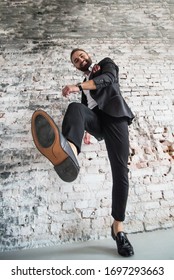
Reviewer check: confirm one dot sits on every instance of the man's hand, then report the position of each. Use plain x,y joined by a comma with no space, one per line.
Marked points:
67,90
95,68
86,138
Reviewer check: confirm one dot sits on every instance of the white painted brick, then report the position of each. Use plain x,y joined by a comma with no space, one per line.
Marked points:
142,172
98,223
140,190
54,207
89,213
94,202
156,195
92,170
80,187
168,194
149,226
167,203
55,228
90,155
69,205
93,179
158,187
135,226
41,229
152,205
81,204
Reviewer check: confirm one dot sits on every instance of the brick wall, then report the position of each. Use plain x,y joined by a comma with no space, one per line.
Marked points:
37,208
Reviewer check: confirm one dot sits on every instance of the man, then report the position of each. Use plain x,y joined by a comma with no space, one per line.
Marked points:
104,114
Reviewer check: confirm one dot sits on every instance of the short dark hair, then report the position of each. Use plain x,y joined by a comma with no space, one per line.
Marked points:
76,50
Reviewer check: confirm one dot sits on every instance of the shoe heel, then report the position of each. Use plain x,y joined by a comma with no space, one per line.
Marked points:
67,170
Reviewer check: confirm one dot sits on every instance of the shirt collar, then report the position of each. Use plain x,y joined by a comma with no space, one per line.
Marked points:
90,69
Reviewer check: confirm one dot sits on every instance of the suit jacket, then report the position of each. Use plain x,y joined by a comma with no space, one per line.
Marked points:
107,93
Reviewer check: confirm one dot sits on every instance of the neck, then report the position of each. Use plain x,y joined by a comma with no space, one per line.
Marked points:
87,72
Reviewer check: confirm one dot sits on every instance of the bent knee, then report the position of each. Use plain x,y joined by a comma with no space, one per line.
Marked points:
74,106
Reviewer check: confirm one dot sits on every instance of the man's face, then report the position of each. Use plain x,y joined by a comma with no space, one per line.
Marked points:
81,60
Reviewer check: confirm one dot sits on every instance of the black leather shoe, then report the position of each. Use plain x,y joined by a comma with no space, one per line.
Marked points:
124,247
53,145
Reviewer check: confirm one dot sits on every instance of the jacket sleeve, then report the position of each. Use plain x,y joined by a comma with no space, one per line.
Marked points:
108,73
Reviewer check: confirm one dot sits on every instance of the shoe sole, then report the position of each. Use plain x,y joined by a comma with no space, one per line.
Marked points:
64,166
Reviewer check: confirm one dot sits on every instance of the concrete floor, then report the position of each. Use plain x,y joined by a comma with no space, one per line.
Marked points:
156,245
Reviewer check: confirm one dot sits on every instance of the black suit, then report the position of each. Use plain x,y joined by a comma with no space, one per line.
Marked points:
107,94
109,121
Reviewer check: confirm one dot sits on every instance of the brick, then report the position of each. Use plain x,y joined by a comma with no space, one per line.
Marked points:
81,204
68,205
89,213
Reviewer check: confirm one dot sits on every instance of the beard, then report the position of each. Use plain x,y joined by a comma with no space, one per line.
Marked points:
85,64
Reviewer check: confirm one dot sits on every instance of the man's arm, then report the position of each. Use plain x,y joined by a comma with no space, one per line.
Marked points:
88,85
109,74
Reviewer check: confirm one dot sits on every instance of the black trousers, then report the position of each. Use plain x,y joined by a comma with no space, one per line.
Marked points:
114,131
